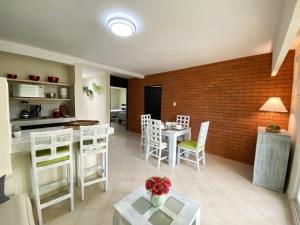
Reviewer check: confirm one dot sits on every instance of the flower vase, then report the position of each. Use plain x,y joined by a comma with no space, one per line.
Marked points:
158,200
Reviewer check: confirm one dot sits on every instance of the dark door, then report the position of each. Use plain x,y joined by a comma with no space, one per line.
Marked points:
152,101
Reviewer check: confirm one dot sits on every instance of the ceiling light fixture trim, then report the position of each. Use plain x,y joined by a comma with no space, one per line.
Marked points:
120,26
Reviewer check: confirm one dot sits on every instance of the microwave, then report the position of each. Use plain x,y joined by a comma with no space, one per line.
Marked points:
27,90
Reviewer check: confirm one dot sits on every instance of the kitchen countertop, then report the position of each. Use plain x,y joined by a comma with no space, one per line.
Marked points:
40,121
22,144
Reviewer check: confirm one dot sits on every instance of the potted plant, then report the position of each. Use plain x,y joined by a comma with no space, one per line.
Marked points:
159,188
16,131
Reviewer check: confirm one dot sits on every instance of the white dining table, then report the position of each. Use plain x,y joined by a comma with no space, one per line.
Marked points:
172,135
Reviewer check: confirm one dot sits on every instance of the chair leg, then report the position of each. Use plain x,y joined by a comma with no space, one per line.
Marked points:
197,160
203,155
71,187
178,156
102,157
39,212
37,197
82,176
142,142
106,170
78,169
159,157
147,153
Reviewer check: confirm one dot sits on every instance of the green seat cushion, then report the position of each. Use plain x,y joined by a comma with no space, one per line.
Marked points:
192,145
46,152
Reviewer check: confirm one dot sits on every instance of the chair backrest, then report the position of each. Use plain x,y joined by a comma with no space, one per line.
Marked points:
154,133
145,119
49,145
183,120
202,135
94,138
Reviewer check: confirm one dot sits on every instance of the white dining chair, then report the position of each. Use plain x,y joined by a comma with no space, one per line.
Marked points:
93,141
155,145
145,119
183,120
50,150
195,148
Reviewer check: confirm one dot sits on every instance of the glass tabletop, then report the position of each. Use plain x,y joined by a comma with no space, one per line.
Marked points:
174,205
160,216
142,205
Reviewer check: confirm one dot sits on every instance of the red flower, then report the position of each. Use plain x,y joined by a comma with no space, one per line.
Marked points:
158,185
149,184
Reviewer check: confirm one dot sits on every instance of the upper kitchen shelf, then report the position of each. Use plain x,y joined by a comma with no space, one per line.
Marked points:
40,99
37,82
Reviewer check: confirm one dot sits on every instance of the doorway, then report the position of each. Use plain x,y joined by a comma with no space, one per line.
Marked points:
152,101
118,103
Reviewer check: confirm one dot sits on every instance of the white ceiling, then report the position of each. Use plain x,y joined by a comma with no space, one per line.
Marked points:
171,34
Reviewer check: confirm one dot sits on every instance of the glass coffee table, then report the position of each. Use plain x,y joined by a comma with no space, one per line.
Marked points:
136,209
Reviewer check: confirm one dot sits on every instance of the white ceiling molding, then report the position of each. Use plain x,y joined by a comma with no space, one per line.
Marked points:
27,50
286,33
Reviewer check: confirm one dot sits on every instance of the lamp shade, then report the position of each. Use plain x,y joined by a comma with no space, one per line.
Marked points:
273,104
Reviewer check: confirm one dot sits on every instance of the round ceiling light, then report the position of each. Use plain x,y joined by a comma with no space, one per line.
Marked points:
121,26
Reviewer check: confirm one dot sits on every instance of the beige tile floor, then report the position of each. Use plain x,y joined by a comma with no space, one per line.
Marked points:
223,188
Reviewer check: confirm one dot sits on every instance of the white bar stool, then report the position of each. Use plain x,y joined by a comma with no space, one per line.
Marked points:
93,140
51,149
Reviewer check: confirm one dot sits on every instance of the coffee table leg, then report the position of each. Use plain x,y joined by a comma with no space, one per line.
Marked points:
197,219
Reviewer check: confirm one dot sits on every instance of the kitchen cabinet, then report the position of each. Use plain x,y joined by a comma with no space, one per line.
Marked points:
271,159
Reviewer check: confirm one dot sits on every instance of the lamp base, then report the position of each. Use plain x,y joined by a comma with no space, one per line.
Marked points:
273,128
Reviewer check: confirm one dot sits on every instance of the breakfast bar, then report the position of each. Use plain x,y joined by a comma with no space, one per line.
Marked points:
22,144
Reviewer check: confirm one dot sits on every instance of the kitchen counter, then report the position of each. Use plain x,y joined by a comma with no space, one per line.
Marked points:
22,144
40,121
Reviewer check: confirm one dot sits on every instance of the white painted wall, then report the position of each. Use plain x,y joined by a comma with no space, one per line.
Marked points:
114,98
122,96
117,97
5,138
294,130
98,106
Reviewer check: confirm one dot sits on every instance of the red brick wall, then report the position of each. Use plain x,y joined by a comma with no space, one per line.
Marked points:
227,93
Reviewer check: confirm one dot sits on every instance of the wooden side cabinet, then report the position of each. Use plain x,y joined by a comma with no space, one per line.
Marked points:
271,159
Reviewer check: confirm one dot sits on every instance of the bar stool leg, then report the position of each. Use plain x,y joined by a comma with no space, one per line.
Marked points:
71,187
78,169
82,176
37,197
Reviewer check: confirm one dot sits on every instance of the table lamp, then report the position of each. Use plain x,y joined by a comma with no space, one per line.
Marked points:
273,104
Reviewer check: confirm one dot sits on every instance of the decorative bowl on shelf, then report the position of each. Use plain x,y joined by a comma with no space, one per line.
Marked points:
12,76
53,79
51,95
34,77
